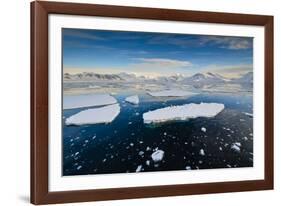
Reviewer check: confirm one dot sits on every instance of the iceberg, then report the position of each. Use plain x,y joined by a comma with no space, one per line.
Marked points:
133,99
87,100
183,112
171,93
104,114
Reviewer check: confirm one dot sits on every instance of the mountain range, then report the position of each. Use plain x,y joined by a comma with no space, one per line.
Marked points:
198,78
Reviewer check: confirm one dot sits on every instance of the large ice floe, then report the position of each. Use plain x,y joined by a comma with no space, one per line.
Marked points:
104,114
133,99
171,93
183,112
87,100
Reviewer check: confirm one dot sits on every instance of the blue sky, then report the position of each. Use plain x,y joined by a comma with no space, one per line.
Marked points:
154,54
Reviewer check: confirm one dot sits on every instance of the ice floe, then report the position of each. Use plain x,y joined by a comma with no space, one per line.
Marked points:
236,146
202,153
183,112
157,156
171,93
104,114
139,168
133,99
203,129
248,114
87,100
188,168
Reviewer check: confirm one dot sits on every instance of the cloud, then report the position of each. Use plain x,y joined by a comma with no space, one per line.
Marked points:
163,62
233,43
80,34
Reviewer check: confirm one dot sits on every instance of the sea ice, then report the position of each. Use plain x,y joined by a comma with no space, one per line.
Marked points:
133,99
139,168
236,146
202,152
104,114
87,100
248,114
182,112
171,93
188,168
203,129
157,156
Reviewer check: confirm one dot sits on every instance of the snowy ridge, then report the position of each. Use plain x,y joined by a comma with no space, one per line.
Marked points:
104,114
183,112
88,100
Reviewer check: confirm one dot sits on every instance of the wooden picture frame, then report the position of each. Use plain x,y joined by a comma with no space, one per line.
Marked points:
40,193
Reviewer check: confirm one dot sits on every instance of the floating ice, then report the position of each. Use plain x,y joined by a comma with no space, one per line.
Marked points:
202,152
133,99
182,112
236,146
203,129
104,114
171,93
157,156
139,168
188,168
87,100
248,114
147,162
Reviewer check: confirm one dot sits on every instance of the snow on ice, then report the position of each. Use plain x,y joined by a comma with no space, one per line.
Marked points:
104,114
133,99
183,112
87,100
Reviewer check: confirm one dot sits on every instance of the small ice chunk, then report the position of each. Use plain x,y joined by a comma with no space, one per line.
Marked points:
171,93
77,153
147,162
79,167
202,153
182,112
141,153
133,99
139,168
203,129
157,156
104,114
235,147
238,144
248,114
88,100
188,168
131,144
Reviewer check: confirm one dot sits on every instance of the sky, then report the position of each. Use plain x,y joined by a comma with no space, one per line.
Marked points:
154,54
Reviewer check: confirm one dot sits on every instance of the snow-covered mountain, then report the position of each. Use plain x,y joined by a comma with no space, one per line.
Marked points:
196,79
244,79
206,78
90,76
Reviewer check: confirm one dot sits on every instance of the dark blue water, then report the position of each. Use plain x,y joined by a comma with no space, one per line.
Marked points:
126,143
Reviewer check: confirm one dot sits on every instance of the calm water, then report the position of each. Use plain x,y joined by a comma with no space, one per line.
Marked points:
127,143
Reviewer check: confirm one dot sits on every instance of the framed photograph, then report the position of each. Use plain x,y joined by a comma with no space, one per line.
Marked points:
133,102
